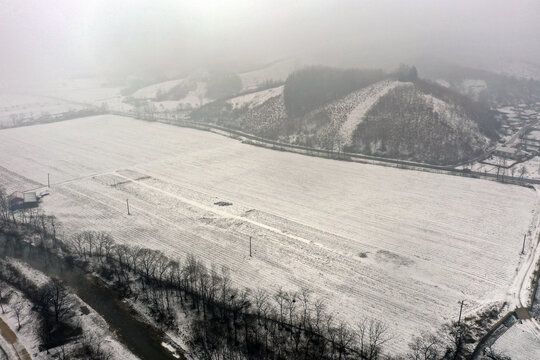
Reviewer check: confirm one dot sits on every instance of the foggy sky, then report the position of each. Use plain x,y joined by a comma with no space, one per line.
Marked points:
42,40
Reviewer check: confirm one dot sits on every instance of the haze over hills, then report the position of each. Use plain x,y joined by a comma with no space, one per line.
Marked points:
441,116
495,88
270,179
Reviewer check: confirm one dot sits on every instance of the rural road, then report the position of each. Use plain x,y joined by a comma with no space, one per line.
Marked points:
11,339
525,274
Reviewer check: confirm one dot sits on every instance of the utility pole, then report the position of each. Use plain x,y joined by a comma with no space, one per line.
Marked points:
127,203
460,311
250,246
48,180
523,249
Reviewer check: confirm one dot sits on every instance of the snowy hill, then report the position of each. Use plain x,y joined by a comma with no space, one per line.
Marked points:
277,71
261,113
408,123
202,87
151,92
171,97
414,121
417,121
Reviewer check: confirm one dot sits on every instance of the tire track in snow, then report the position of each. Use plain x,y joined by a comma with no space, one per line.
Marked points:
374,295
271,228
390,246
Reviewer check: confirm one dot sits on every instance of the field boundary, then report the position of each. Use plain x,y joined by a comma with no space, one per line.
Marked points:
309,151
335,155
483,341
534,284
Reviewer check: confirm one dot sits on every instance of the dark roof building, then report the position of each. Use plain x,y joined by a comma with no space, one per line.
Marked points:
19,200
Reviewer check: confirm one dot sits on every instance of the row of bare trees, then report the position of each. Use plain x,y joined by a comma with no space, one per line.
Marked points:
46,227
239,323
229,322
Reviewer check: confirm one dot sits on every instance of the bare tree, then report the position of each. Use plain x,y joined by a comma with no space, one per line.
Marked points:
104,243
455,336
425,347
513,171
522,172
2,291
83,243
372,335
57,298
344,338
504,168
280,297
4,205
18,308
290,301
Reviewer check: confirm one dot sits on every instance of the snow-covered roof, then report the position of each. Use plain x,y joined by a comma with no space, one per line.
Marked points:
30,197
507,150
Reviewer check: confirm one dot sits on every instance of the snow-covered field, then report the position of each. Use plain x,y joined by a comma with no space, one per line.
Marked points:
402,246
519,342
529,169
91,90
15,107
59,97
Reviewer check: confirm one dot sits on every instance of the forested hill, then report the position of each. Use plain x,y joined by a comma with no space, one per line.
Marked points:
394,115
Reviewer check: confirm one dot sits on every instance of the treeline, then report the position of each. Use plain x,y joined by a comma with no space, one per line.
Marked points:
221,85
312,87
228,322
477,111
405,124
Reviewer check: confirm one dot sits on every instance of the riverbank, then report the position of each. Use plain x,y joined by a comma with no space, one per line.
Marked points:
138,336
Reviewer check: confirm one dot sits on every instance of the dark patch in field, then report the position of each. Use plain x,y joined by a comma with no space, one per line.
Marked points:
223,203
390,257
